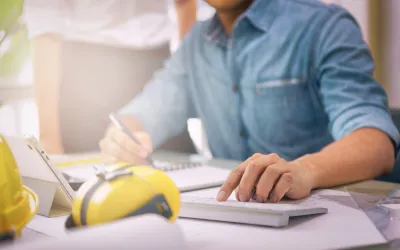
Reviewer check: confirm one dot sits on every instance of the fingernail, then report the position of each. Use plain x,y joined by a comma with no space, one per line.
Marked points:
221,195
242,197
273,198
260,199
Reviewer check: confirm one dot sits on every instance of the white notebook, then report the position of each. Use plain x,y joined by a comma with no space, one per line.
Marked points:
187,176
194,176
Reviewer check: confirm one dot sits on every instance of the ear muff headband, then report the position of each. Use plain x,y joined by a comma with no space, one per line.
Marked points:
87,199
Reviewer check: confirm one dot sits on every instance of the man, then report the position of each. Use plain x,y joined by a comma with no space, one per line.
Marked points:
289,82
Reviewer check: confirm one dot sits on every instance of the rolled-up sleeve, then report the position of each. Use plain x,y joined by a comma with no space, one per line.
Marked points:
163,107
351,96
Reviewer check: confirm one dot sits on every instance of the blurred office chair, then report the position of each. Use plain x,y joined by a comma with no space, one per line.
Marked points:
394,176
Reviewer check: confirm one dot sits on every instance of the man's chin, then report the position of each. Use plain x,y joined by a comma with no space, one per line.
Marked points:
229,5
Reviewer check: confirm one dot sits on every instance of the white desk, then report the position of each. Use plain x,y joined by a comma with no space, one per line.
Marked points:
342,227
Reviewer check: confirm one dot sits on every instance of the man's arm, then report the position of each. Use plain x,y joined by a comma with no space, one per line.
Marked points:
356,105
160,111
359,121
186,12
363,154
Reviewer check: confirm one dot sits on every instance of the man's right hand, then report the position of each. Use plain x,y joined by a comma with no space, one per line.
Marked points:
117,146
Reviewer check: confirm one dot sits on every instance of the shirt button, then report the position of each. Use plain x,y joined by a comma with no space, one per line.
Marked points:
235,88
242,133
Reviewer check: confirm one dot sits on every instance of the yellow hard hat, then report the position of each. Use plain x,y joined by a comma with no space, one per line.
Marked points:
126,190
18,204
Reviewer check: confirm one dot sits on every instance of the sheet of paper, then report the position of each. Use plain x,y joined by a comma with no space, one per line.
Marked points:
132,233
343,226
82,172
186,177
53,227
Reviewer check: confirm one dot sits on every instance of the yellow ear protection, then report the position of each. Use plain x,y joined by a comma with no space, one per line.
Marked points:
123,192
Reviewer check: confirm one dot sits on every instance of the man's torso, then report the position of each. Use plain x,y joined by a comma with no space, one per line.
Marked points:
257,91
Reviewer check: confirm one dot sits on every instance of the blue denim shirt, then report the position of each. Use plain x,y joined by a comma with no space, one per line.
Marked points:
292,77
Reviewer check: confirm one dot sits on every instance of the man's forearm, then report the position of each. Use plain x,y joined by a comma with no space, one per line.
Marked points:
186,12
364,154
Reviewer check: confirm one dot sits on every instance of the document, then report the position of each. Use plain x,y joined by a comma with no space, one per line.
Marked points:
187,176
137,232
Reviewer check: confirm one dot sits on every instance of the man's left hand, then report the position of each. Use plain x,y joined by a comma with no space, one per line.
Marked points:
268,176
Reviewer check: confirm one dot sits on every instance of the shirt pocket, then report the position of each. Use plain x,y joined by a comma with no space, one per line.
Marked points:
283,110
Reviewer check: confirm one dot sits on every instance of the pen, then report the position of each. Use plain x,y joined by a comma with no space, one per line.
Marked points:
114,119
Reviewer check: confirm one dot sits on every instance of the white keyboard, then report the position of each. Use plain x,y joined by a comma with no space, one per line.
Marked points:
265,214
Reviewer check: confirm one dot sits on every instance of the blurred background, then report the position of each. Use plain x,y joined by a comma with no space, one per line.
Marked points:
68,58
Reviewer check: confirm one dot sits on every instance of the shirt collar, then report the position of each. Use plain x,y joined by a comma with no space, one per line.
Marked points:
261,13
214,30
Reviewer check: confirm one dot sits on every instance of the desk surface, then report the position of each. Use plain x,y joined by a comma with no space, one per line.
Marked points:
344,226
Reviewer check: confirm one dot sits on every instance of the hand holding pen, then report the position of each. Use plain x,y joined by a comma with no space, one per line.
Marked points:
125,142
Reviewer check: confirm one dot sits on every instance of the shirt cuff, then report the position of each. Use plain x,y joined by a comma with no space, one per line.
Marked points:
369,117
